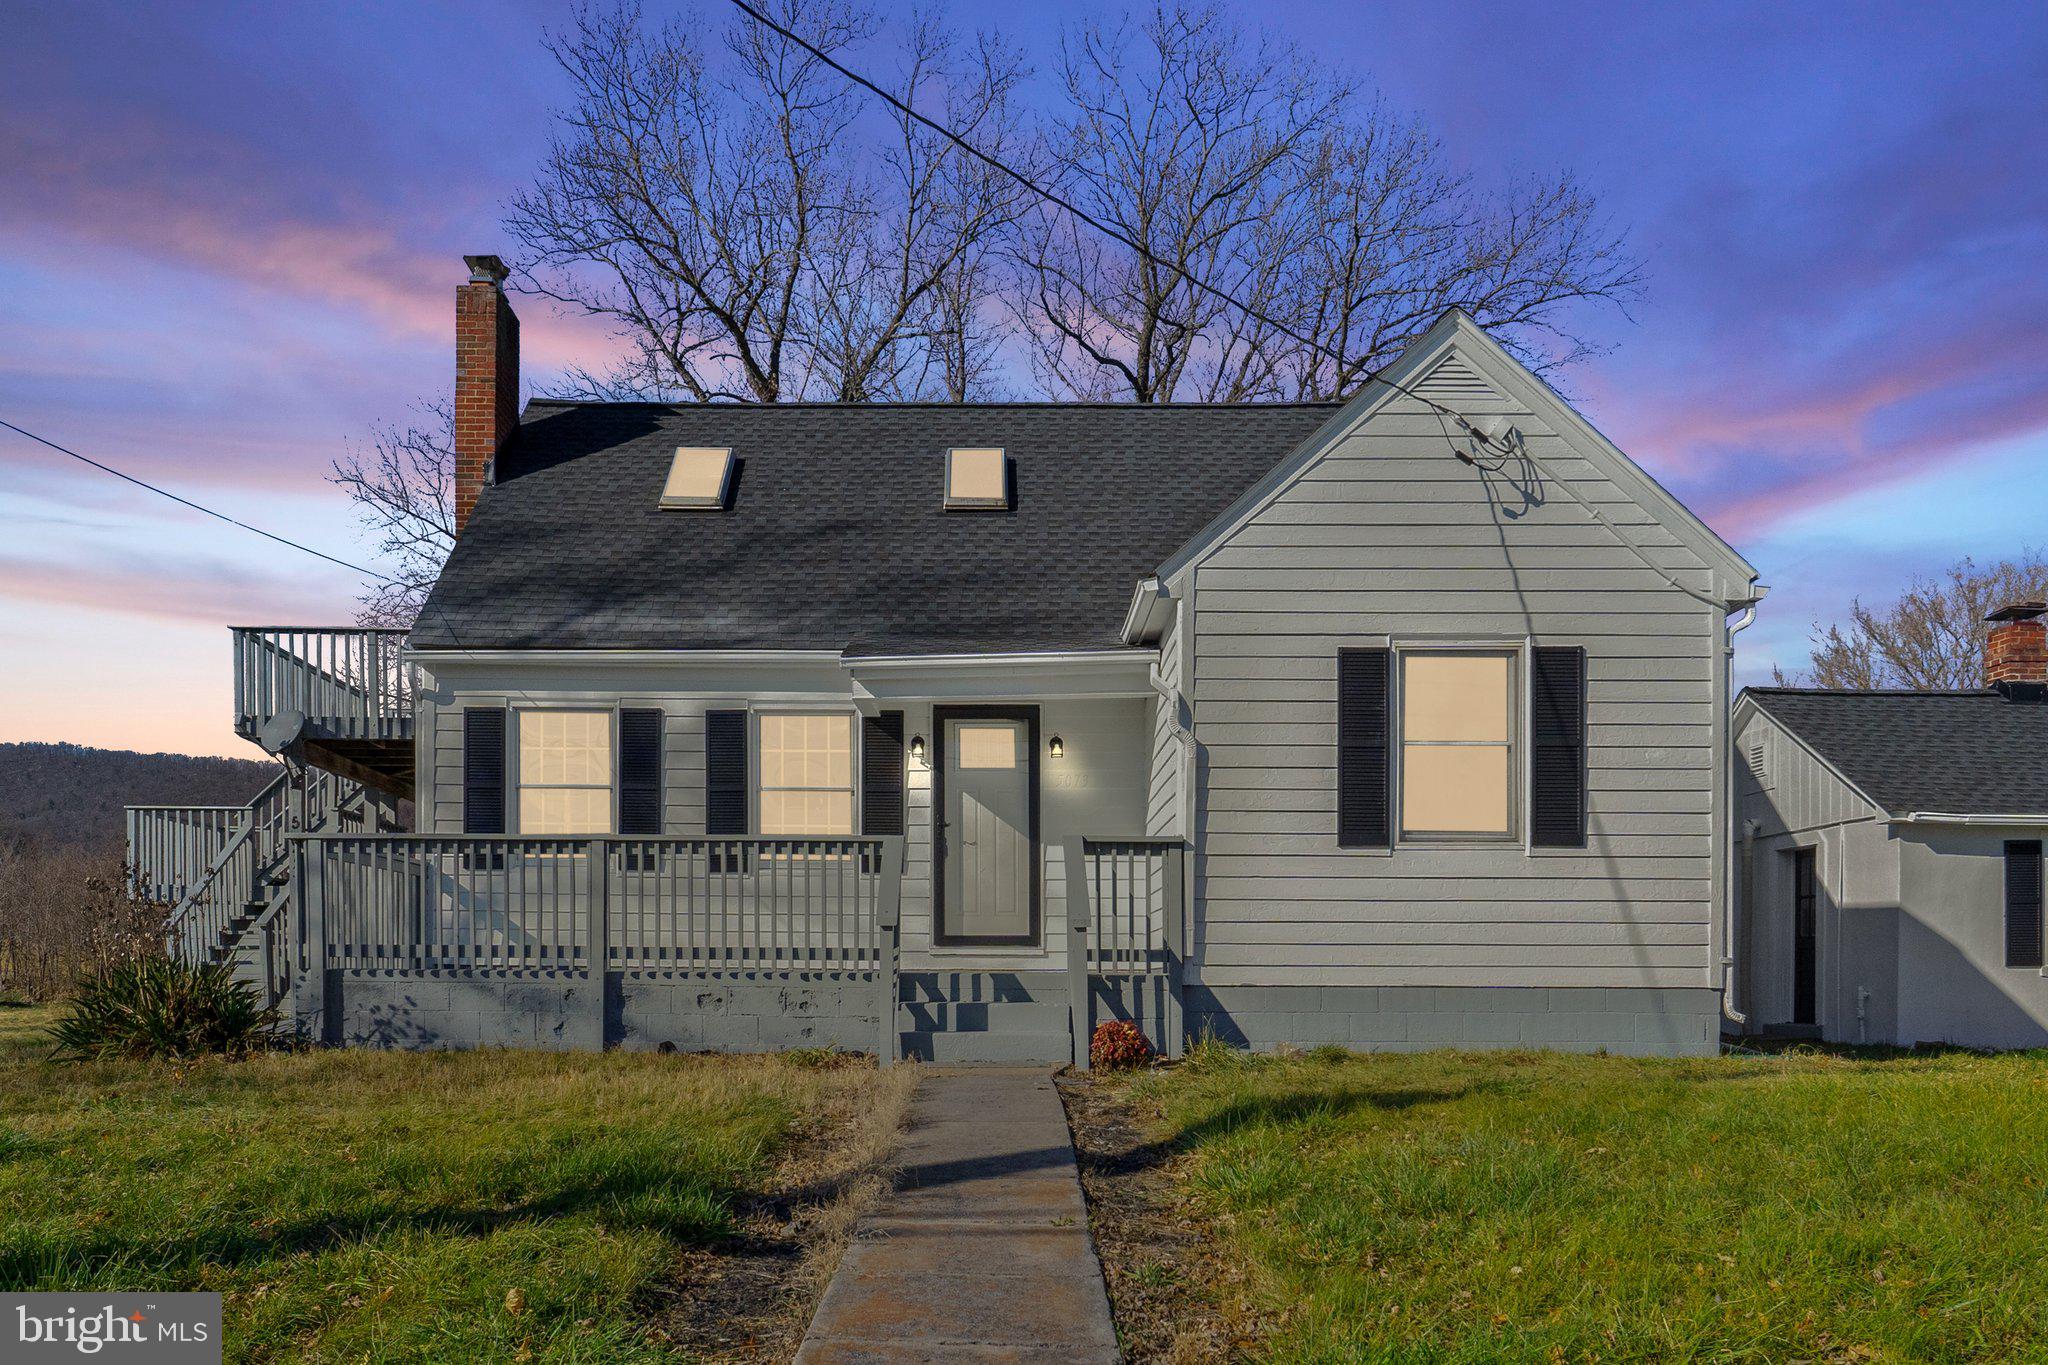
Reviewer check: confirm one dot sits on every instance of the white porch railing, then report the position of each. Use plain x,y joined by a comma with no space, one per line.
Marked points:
170,848
660,905
1126,924
349,682
212,864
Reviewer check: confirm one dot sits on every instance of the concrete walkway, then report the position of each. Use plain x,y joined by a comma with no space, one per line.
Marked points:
982,1251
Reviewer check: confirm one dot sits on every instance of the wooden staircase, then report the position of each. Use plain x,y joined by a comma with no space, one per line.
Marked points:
226,870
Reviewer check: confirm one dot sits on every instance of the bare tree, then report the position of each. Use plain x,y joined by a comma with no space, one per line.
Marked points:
1239,162
1930,638
745,230
403,487
1184,138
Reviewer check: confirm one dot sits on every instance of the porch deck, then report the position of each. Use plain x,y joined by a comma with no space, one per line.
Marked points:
690,943
341,697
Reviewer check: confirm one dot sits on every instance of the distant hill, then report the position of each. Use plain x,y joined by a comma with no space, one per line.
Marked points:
69,795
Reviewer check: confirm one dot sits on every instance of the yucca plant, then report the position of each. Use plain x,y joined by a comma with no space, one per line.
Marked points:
160,1007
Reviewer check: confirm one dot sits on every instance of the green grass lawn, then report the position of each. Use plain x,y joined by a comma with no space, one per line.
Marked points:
1471,1207
362,1205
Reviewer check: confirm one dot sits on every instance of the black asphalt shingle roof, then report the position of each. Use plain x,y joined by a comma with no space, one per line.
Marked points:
836,538
1957,753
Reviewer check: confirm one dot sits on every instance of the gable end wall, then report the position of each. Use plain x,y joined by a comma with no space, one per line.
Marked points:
1385,537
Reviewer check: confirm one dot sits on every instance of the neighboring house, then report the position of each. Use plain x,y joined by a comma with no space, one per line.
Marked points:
1892,856
950,730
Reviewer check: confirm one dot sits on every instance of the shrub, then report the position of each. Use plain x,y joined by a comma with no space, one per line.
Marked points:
158,1007
1118,1045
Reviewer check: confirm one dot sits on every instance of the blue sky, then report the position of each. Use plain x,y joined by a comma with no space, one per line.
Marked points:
231,232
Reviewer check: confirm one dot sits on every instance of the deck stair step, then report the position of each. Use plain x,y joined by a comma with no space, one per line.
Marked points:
988,1049
972,1016
984,1017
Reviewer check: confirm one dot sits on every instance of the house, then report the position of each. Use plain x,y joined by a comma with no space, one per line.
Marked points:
1891,855
950,731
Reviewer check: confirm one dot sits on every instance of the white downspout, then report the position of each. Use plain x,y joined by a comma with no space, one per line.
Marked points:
1742,885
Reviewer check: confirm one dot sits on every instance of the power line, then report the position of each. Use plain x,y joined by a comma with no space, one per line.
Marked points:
199,507
1109,230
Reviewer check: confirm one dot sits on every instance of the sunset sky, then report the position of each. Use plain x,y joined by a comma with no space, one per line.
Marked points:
230,234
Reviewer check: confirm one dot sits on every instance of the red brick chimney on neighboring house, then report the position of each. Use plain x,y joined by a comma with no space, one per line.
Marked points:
486,377
2016,650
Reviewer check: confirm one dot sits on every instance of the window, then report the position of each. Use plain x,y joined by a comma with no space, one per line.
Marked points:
1457,744
565,772
699,478
977,477
806,774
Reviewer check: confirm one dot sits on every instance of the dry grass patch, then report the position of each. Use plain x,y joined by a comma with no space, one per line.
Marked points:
437,1206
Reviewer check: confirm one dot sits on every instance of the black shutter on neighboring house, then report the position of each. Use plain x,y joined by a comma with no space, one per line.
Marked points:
483,770
881,773
1363,727
2023,903
1557,748
640,771
725,772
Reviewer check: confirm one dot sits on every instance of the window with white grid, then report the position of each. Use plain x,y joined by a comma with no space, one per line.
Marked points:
806,782
565,772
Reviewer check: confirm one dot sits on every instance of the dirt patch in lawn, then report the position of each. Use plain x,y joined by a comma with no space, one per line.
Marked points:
1174,1298
749,1298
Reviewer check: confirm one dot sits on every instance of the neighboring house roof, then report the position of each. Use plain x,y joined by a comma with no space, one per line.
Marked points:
1956,753
836,537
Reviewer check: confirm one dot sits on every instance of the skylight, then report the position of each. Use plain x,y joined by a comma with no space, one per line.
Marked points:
700,478
977,477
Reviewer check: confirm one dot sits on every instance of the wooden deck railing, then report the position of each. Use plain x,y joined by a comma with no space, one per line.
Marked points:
170,848
212,863
1134,904
682,906
351,682
1125,921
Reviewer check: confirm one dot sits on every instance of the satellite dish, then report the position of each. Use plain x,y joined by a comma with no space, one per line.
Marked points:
281,731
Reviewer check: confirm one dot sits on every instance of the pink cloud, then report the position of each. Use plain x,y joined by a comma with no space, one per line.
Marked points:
204,593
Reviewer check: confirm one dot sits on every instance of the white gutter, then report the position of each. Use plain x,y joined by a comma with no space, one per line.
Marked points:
1141,618
568,657
1107,660
1936,817
1729,958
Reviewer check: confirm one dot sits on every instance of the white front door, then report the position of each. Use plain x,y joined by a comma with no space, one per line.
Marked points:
987,842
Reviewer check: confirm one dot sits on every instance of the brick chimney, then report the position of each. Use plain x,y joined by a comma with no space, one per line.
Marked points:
486,377
2016,650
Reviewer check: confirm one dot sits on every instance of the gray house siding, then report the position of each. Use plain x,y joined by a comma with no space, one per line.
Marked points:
1102,786
1911,916
1387,539
1796,802
1954,986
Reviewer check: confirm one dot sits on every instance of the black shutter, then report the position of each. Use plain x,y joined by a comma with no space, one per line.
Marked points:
1557,748
2023,902
1363,727
881,773
640,771
483,770
725,772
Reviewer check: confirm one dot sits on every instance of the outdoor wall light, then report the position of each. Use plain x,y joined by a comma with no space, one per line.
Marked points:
1058,747
917,747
